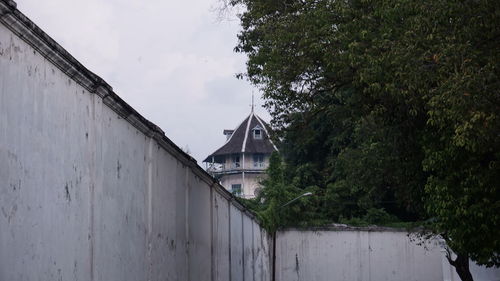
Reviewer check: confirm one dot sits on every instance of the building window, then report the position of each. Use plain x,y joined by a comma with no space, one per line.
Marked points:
236,189
236,161
258,160
257,134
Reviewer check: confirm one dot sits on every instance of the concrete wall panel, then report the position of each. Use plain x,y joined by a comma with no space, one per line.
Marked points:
200,232
168,241
248,253
266,246
121,228
257,252
44,191
236,236
354,255
221,241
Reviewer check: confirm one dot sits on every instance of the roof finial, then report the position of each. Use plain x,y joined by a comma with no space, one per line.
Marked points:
252,102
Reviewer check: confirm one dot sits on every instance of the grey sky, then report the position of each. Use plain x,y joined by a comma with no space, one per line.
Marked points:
173,61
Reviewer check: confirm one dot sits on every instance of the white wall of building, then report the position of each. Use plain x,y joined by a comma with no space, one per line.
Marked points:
249,182
228,180
88,192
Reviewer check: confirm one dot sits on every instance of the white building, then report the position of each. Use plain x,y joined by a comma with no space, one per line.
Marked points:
241,162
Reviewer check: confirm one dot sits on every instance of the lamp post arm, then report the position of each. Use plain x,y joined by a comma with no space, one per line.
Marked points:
295,199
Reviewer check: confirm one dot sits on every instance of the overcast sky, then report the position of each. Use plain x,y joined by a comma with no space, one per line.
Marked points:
171,60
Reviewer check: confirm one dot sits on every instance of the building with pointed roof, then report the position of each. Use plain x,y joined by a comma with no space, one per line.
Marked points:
240,163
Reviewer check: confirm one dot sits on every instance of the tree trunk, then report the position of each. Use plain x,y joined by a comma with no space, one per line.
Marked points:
461,264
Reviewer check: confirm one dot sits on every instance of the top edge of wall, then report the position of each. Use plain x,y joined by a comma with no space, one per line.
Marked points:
341,227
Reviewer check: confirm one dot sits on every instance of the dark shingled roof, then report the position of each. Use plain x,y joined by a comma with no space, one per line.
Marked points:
242,140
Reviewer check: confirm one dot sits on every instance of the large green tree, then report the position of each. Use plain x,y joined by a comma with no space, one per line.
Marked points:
387,104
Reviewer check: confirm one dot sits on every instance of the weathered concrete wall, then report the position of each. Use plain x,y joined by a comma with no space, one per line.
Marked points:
90,190
344,255
236,238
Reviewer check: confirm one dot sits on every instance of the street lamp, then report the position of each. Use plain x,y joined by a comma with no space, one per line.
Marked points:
296,198
274,233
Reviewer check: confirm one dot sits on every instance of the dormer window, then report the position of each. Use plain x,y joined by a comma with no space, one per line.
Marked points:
228,133
257,132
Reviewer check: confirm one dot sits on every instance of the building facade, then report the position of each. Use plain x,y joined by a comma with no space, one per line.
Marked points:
241,162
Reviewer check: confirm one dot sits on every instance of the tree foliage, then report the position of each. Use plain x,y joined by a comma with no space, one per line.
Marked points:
386,105
271,203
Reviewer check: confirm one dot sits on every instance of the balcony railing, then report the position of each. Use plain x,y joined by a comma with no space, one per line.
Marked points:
234,167
259,165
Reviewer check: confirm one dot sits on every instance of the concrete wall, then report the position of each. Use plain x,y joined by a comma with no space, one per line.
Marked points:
90,190
345,255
